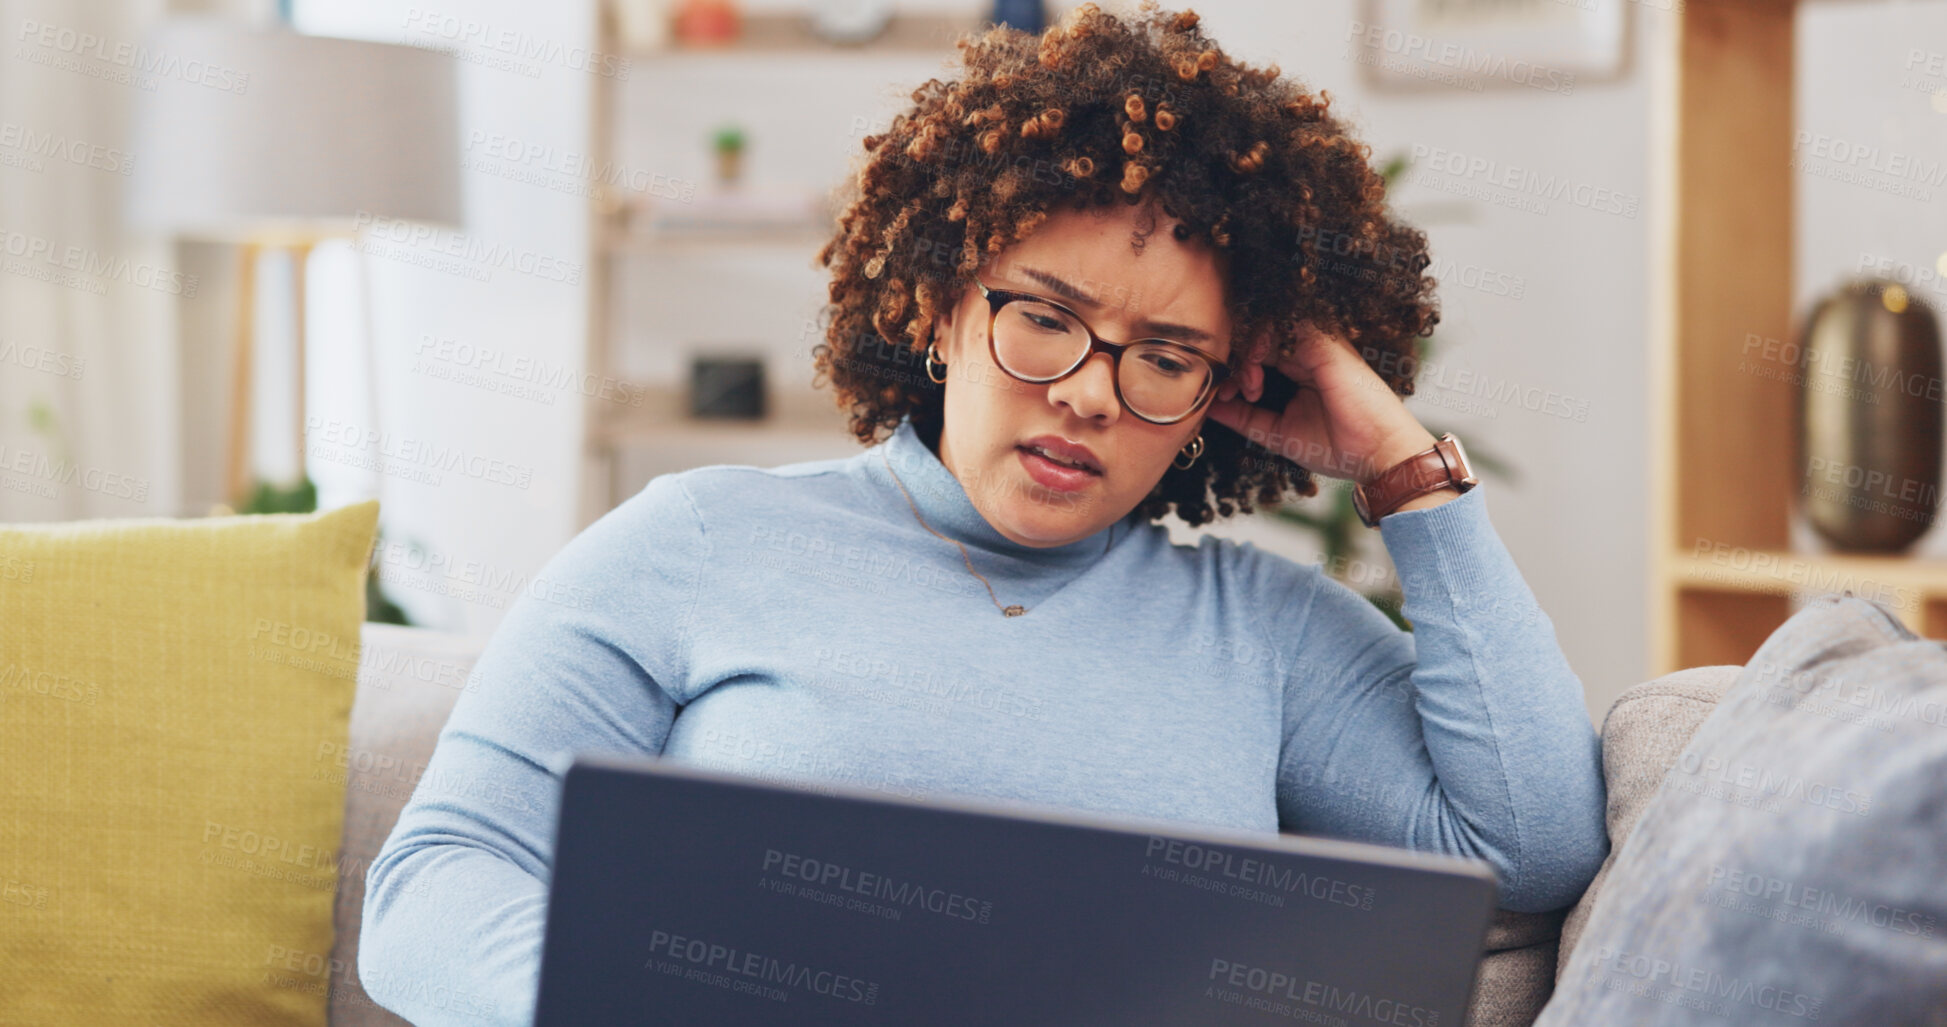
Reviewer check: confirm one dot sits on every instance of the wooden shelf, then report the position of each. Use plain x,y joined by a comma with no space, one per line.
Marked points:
774,33
663,420
1910,588
1760,570
632,445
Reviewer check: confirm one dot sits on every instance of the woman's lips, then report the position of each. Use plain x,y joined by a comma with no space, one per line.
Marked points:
1059,477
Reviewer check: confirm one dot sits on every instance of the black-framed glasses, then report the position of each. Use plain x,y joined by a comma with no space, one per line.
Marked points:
1041,342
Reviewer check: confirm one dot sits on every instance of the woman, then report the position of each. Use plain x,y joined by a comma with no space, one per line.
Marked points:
981,603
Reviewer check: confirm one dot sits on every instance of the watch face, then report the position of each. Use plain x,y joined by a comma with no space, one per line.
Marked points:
1466,470
1359,503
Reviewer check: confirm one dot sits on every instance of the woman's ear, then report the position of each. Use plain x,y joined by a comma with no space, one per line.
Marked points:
943,324
943,333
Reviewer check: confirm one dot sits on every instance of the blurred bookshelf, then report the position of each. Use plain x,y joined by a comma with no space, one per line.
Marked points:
658,435
724,217
1723,574
624,446
791,32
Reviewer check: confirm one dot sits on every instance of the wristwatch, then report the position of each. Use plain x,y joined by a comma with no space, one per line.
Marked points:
1441,466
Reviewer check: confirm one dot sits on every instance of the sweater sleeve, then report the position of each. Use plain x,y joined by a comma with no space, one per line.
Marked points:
455,902
1467,736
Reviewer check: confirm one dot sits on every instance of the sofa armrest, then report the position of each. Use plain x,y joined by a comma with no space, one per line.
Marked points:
1642,735
408,682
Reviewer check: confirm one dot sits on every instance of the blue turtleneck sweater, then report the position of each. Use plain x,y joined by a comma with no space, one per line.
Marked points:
798,623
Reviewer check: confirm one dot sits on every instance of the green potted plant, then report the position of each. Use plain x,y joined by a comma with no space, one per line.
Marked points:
302,497
728,143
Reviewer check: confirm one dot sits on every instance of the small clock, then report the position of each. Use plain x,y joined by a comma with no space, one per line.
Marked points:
850,21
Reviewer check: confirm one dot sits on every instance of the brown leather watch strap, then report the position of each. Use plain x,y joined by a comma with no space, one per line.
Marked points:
1442,465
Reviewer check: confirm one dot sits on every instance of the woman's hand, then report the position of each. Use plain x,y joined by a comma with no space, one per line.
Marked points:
1342,423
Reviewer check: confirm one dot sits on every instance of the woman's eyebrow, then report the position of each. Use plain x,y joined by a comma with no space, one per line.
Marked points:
1157,329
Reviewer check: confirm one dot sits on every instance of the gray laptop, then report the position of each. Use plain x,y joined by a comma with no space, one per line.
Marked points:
689,896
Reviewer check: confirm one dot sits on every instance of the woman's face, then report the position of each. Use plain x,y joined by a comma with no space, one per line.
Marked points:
1083,260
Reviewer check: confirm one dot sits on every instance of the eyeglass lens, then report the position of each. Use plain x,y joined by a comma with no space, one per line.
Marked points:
1039,341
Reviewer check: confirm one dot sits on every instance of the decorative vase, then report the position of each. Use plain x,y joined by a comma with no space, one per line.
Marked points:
708,23
1870,417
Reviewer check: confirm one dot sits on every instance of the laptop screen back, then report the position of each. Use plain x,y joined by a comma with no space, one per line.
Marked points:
685,896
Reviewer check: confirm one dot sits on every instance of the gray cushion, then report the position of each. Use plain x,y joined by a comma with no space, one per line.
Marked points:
1788,869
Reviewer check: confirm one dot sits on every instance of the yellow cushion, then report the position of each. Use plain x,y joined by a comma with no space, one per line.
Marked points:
172,698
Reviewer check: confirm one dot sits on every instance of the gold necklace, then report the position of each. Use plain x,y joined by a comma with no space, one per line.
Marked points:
1014,610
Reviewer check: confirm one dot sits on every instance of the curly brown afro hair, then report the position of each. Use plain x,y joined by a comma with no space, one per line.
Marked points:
1101,109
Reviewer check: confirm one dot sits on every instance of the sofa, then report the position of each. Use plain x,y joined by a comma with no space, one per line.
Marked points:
409,679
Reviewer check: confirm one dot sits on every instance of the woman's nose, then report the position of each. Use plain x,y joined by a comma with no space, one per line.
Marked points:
1090,391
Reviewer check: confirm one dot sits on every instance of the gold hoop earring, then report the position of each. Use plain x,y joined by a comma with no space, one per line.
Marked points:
932,355
1195,449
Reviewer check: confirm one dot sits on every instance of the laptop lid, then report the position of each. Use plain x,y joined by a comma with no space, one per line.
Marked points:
682,895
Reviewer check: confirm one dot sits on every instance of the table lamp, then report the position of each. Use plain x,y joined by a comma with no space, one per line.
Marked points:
283,140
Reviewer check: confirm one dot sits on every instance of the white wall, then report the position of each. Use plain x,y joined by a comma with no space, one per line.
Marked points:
517,288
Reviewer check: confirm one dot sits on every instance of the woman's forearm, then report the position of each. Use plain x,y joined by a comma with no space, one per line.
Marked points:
1493,687
1470,734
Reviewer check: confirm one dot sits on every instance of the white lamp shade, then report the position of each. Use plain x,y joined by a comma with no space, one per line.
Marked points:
265,132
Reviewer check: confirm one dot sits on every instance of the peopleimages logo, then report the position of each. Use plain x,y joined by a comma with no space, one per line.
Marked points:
414,453
1525,182
1864,164
1318,995
66,474
40,257
16,677
515,44
1705,982
75,46
465,256
1823,901
1864,695
38,358
1413,48
53,146
882,887
1206,859
761,968
1767,783
524,369
515,152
